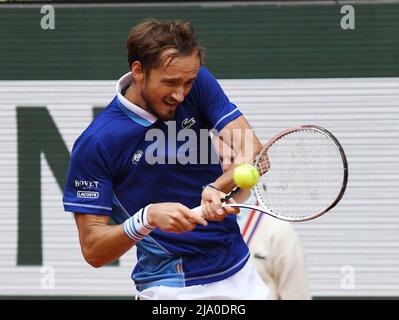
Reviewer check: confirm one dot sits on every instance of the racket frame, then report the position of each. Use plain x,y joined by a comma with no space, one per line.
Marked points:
264,208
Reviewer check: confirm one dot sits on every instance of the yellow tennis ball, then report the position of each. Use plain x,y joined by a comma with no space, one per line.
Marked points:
245,176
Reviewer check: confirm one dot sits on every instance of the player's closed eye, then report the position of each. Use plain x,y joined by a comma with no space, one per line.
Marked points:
170,83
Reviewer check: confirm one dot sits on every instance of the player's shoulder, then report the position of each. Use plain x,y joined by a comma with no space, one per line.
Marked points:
204,72
204,87
204,76
112,125
102,120
106,128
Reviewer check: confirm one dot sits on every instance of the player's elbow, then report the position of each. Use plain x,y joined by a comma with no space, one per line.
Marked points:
91,257
93,261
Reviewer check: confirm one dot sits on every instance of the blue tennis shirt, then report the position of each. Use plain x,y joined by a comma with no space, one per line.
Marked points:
127,159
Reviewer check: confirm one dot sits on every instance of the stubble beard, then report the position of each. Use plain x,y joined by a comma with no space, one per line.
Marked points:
150,107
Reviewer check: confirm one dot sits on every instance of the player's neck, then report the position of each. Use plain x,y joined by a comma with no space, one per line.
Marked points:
131,94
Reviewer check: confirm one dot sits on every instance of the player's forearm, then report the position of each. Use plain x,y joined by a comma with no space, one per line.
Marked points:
104,244
242,139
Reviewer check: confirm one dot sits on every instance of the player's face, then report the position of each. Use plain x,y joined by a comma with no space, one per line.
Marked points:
166,87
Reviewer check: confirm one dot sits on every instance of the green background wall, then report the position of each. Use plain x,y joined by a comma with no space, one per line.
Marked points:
256,41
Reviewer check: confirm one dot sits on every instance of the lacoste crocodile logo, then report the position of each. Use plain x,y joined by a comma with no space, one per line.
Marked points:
187,123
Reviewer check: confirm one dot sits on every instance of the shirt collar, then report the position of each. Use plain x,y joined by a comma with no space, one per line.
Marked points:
133,111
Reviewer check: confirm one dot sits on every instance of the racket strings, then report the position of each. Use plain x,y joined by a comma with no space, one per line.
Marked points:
263,164
304,177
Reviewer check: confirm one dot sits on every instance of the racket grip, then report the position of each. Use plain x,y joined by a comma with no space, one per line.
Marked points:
231,194
198,210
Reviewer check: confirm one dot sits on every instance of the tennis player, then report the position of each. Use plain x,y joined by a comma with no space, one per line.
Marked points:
167,95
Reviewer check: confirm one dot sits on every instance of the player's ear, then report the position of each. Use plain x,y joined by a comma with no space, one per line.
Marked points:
137,72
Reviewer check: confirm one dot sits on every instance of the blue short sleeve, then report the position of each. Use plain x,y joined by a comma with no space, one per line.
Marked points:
215,106
88,187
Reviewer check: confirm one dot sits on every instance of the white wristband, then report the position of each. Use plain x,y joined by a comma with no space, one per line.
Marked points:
137,226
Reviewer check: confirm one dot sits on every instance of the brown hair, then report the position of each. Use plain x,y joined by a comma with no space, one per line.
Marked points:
147,41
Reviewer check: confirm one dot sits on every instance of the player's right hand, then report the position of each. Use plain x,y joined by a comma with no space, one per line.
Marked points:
173,217
212,208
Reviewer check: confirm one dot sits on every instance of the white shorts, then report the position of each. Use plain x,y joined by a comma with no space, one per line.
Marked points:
246,284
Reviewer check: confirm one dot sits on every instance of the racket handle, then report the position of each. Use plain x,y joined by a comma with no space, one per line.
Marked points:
231,194
198,210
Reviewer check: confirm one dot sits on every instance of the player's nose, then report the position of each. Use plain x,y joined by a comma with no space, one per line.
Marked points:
178,95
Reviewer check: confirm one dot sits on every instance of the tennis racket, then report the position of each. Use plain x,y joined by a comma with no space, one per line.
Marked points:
303,174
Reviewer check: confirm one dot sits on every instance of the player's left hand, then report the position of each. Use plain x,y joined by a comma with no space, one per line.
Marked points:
212,208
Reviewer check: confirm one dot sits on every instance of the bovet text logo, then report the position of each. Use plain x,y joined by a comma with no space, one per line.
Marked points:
88,194
86,184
